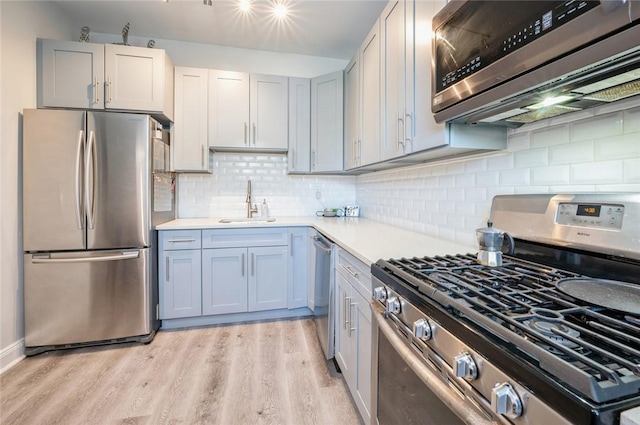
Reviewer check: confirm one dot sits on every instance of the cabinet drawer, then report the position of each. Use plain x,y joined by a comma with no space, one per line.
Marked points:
180,239
236,238
357,273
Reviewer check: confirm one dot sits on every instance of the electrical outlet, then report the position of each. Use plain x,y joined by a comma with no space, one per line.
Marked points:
318,194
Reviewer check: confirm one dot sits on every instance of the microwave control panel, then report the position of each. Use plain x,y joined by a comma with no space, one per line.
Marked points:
599,216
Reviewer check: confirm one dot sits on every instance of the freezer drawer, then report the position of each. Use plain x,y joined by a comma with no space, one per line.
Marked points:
80,297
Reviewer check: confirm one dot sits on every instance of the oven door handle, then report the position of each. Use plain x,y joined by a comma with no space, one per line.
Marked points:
441,389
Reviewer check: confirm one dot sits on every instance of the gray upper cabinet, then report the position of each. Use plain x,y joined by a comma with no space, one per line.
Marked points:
248,111
96,76
370,97
327,123
70,74
299,155
352,140
190,143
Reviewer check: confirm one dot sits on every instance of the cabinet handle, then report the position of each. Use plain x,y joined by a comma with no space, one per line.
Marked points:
202,156
350,328
347,319
408,117
291,244
400,125
293,157
242,265
109,90
313,159
359,151
167,268
96,90
246,128
254,133
253,265
348,270
181,240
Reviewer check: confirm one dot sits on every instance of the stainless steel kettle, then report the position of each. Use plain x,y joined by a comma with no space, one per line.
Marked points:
490,242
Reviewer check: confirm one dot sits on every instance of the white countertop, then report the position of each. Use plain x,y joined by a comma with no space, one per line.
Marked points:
367,240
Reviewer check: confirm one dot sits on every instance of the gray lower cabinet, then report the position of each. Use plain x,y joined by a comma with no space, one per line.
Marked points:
179,272
353,328
224,271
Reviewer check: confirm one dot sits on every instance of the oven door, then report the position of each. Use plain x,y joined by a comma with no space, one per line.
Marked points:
407,389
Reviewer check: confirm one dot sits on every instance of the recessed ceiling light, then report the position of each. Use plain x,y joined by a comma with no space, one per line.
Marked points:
280,10
244,5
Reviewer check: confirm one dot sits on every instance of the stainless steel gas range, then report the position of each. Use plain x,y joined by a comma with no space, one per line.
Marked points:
552,336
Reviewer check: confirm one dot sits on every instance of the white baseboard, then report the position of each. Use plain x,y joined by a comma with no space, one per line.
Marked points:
11,355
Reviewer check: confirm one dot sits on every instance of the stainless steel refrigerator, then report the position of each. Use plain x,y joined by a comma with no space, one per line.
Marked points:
94,186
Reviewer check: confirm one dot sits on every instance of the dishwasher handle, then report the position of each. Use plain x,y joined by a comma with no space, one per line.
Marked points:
317,242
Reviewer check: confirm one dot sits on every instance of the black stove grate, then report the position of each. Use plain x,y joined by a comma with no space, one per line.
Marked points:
593,349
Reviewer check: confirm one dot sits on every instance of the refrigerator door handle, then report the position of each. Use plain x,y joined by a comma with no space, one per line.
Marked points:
90,172
79,154
46,258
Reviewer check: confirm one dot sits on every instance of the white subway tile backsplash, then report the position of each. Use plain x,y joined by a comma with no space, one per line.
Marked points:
632,170
557,175
515,177
571,153
501,161
531,158
519,142
618,147
632,120
608,172
550,136
597,127
489,178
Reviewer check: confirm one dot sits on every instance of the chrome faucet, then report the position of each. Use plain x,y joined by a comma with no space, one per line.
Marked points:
250,209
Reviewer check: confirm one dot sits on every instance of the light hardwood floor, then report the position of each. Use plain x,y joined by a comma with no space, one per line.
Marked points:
259,373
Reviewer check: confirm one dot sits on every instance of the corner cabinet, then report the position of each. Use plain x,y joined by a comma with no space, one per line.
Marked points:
327,123
96,76
353,328
352,140
190,143
248,111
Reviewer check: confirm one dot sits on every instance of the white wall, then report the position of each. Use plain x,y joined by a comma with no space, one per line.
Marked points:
577,153
22,22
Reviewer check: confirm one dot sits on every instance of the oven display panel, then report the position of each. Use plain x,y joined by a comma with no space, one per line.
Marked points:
590,215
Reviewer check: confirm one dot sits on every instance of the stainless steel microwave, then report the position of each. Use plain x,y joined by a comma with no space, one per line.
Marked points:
515,62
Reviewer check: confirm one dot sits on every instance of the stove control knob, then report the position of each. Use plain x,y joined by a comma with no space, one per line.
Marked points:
380,293
422,329
465,367
505,401
393,305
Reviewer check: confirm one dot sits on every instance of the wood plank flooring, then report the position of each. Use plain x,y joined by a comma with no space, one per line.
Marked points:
270,373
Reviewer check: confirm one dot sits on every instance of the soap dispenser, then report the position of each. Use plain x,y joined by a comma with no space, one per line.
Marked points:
264,213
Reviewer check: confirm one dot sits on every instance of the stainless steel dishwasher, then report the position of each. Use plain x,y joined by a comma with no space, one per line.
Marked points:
323,293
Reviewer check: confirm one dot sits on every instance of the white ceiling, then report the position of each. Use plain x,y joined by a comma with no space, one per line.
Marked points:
326,28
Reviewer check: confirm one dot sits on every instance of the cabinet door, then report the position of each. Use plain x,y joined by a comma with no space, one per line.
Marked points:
299,154
224,280
71,74
268,277
268,100
298,271
228,109
180,283
135,78
342,326
393,57
352,114
370,89
190,144
360,319
426,132
327,122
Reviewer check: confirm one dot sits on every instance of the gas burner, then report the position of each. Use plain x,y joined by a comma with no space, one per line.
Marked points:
547,328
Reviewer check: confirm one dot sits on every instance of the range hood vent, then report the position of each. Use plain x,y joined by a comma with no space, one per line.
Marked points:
589,61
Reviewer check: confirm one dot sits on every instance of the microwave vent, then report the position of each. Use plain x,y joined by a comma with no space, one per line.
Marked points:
540,114
616,93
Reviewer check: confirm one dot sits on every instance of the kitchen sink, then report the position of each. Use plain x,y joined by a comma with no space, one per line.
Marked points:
248,220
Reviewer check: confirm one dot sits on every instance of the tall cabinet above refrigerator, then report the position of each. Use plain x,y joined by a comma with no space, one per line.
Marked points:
94,186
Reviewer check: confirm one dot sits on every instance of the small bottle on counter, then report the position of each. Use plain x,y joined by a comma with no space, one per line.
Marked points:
264,209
